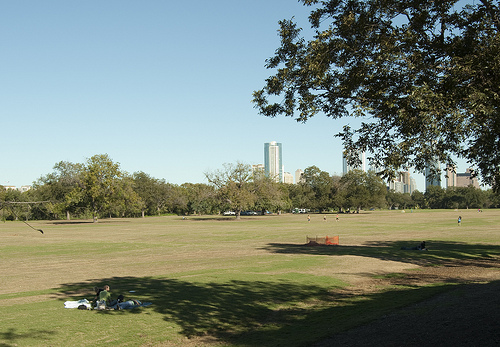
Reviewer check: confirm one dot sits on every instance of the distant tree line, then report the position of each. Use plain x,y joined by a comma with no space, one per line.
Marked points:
99,188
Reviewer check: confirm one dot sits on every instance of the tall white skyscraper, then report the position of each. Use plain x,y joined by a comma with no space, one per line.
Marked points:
362,165
273,162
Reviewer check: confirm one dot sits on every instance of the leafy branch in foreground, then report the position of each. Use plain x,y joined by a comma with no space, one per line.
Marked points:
425,74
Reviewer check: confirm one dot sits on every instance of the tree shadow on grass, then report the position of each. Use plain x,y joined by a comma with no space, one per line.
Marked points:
87,221
12,335
439,253
212,219
260,313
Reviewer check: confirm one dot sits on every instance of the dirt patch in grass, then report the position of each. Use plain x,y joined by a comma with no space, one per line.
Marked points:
25,300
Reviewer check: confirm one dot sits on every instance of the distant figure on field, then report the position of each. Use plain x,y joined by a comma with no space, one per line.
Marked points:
308,218
420,247
337,219
324,218
459,220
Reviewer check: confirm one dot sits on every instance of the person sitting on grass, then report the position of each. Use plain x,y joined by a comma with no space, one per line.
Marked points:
421,247
105,295
97,291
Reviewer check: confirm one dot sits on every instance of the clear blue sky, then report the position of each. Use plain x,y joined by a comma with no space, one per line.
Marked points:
163,87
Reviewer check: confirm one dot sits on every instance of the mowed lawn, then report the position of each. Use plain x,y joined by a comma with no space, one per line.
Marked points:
220,281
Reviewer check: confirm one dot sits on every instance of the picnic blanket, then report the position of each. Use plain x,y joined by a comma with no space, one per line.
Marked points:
75,304
123,305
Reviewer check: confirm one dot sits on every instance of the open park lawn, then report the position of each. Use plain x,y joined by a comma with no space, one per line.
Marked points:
217,281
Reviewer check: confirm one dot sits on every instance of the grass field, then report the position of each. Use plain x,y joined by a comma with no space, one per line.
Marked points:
219,281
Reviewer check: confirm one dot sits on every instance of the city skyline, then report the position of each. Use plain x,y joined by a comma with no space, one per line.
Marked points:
458,179
403,183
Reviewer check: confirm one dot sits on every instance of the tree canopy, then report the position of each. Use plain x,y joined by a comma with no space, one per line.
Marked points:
57,185
363,190
324,188
422,74
101,185
233,183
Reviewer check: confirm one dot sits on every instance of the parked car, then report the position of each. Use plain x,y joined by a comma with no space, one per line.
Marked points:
229,213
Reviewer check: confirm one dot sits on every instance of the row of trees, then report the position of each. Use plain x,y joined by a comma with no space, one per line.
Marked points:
99,188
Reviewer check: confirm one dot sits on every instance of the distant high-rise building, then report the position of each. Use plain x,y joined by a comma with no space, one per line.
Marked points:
23,189
432,169
451,177
298,176
466,179
287,178
403,183
258,168
273,163
413,185
374,168
361,166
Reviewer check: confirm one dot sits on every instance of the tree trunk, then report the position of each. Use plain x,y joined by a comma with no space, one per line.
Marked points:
67,215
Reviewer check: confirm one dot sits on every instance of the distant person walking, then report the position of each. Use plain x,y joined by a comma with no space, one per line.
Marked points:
337,219
459,220
308,219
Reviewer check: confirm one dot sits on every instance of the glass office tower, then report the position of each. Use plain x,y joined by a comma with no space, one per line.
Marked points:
273,162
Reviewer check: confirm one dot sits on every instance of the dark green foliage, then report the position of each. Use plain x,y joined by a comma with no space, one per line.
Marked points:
362,190
425,74
66,193
235,190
